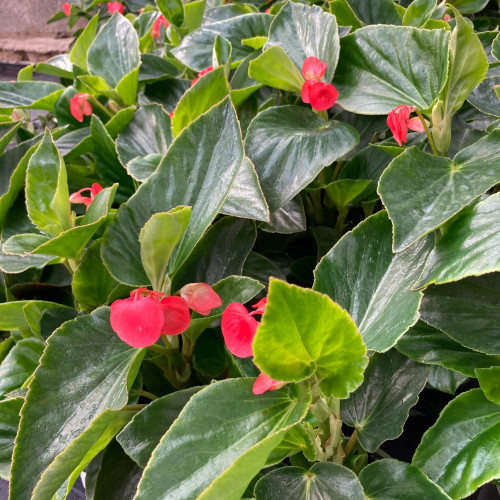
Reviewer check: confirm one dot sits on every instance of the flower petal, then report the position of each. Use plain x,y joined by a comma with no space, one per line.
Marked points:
260,306
66,7
304,92
238,329
313,68
200,297
176,314
138,322
416,125
266,383
322,96
115,7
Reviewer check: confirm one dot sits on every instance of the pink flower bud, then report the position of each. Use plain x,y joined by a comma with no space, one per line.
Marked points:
115,7
266,383
156,30
314,69
79,106
66,7
78,198
203,72
200,297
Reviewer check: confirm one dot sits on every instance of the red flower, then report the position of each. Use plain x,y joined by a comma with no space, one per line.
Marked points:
66,7
202,73
266,383
171,114
80,106
176,315
115,7
320,95
160,21
78,198
399,122
200,297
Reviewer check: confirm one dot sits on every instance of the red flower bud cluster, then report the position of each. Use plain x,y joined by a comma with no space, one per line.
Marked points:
79,106
115,7
156,29
320,95
399,121
66,7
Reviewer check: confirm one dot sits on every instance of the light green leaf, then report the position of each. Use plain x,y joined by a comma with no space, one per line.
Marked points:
290,145
390,479
344,14
468,247
451,451
78,53
381,67
304,333
323,480
158,239
469,6
47,196
345,191
12,315
58,422
362,275
306,31
418,13
30,95
489,379
9,416
422,191
173,10
470,305
7,132
236,440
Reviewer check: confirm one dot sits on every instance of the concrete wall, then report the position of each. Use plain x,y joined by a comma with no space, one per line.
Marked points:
25,35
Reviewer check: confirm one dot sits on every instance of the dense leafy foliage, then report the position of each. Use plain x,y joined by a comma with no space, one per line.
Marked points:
241,241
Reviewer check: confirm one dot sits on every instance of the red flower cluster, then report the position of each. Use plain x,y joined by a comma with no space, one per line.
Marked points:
79,106
141,319
160,21
238,329
320,95
66,7
399,122
115,7
202,73
78,198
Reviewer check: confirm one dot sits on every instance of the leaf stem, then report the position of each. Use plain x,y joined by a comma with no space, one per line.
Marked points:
148,395
429,136
353,441
101,107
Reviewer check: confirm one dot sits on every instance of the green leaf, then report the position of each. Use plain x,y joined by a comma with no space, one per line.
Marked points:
344,14
114,54
205,93
390,479
142,168
378,409
469,6
92,282
195,50
458,308
375,11
362,275
422,191
468,64
47,196
426,344
221,252
30,95
445,380
484,98
78,53
466,431
274,68
489,380
288,219
469,245
173,10
304,333
236,440
142,435
495,48
290,145
381,67
7,132
246,198
19,364
63,414
304,31
12,315
9,418
323,480
199,177
418,13
345,191
148,133
158,239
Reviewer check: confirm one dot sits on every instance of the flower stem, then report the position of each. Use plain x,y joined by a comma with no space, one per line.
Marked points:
148,395
353,441
429,136
101,107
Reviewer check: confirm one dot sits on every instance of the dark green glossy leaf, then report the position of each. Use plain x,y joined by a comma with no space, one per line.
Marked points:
469,246
452,450
63,414
323,480
344,14
290,145
288,219
489,379
467,311
393,480
378,409
306,31
381,67
7,132
142,168
9,418
445,380
30,95
76,142
142,435
19,364
195,50
148,133
235,438
12,316
199,177
114,54
422,191
154,68
469,6
47,196
261,268
484,98
302,333
375,11
373,284
419,12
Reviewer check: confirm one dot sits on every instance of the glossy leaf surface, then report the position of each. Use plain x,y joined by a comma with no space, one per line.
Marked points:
9,418
30,95
489,379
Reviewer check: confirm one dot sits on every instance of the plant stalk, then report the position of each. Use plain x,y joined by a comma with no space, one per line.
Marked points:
428,133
